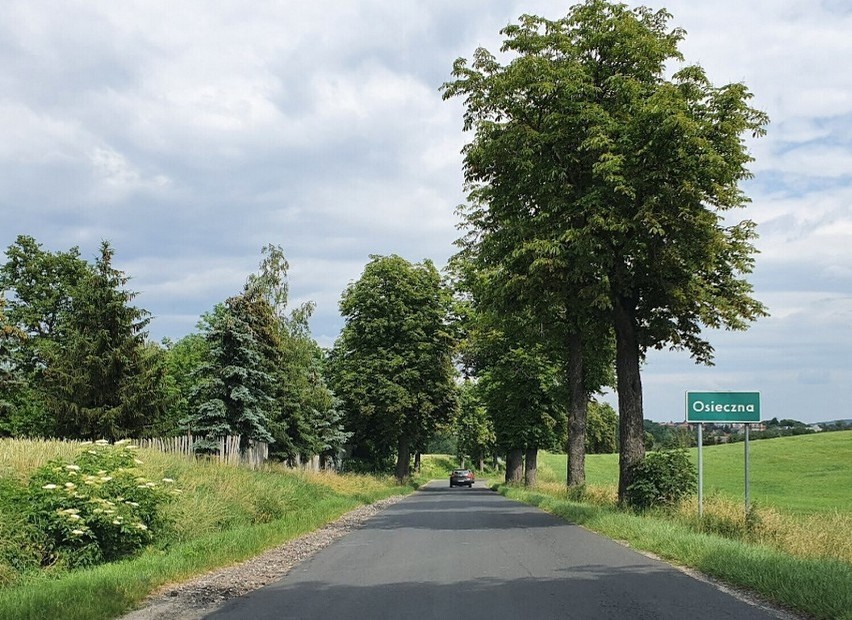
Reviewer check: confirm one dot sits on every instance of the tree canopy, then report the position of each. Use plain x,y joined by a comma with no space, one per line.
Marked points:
102,380
82,365
590,164
392,364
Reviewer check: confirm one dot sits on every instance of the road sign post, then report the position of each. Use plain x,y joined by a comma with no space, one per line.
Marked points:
700,474
745,458
721,408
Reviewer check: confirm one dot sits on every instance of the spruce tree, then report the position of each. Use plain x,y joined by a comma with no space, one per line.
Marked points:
101,380
233,392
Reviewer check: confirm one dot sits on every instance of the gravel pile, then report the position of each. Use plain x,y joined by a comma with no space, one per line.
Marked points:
203,595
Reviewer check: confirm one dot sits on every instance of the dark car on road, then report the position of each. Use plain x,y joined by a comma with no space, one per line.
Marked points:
462,477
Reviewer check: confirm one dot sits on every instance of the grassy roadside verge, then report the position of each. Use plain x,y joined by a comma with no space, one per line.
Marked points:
224,515
111,589
821,588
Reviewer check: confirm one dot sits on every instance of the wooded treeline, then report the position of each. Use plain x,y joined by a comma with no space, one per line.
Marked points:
599,172
76,362
598,180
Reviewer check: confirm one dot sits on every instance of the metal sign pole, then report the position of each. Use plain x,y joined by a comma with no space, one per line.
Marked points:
700,473
717,407
747,426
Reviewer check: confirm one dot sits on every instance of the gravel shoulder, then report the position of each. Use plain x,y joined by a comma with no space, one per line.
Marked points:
193,599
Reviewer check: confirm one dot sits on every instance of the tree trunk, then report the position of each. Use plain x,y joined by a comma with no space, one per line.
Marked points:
244,447
577,413
629,382
403,459
514,466
530,467
417,461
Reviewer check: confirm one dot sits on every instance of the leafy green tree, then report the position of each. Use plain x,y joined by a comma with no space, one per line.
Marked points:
100,378
522,391
41,284
475,428
520,372
11,377
517,219
601,429
306,419
37,286
392,364
23,412
521,303
182,361
588,154
311,421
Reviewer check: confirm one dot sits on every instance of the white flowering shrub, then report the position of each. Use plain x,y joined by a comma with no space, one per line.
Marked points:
97,508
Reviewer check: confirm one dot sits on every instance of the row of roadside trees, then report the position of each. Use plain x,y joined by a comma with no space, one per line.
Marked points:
599,175
76,364
595,229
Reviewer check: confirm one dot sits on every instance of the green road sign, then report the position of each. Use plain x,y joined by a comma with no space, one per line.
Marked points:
724,407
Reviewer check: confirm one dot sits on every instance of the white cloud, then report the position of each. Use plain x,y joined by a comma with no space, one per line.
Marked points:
33,138
115,177
813,161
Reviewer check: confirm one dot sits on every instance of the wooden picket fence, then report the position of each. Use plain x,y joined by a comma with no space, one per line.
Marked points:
227,452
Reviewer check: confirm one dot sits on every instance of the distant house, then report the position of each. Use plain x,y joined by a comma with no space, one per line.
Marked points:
752,427
816,428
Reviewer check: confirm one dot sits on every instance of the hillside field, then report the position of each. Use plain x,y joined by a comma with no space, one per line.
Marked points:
802,474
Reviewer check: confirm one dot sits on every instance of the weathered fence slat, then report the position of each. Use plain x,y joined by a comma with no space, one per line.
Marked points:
228,449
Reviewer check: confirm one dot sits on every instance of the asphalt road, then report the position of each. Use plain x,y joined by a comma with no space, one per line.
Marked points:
471,553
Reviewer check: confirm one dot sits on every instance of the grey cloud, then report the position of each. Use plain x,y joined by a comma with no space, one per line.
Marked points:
191,134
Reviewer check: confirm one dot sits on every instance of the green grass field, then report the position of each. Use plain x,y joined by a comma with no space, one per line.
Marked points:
803,474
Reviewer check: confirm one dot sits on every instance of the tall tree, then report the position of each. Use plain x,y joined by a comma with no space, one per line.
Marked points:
476,437
517,219
588,153
38,286
101,379
305,420
232,393
392,364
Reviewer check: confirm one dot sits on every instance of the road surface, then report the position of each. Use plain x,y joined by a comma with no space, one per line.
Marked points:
471,553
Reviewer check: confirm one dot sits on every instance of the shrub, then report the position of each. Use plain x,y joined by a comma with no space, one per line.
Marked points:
367,466
96,509
662,479
19,542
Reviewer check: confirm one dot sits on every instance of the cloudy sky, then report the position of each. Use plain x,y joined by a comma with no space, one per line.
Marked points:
190,134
